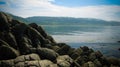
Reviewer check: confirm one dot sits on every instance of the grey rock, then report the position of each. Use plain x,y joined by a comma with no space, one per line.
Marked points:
46,53
19,59
45,63
65,58
63,64
20,64
32,64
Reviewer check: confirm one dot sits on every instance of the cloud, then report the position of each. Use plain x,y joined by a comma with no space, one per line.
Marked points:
26,8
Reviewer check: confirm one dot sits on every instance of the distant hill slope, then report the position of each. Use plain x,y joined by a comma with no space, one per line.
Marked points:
65,21
69,21
18,18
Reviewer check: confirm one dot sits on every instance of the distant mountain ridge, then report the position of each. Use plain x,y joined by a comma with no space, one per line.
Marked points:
42,20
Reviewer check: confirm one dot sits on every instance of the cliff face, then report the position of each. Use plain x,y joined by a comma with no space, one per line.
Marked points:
23,45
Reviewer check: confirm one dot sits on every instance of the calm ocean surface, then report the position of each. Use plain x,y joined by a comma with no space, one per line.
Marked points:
103,38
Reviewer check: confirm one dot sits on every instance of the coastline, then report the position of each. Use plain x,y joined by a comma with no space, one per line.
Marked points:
30,45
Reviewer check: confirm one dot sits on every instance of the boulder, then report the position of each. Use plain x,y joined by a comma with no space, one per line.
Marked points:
46,53
24,48
34,25
50,39
97,63
19,30
7,52
43,33
74,55
29,57
98,54
113,61
14,22
92,56
20,64
89,64
36,37
64,49
63,64
2,42
10,39
32,64
19,59
84,48
53,65
82,59
4,25
7,63
64,58
45,63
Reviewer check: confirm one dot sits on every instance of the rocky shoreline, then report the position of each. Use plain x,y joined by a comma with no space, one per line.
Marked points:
23,45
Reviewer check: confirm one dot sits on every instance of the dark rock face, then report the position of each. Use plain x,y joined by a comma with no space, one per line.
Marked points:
8,52
4,25
23,45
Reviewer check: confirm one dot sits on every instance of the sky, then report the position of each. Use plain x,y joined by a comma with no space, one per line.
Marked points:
100,9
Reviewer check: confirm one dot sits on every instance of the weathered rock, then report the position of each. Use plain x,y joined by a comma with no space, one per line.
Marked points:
97,63
55,48
3,43
41,30
10,39
32,64
7,63
14,22
7,52
45,63
53,65
24,48
64,49
92,56
64,58
104,61
74,55
19,59
98,54
82,59
113,61
63,64
84,48
36,38
29,57
79,51
89,64
20,64
34,25
4,25
19,30
46,53
51,39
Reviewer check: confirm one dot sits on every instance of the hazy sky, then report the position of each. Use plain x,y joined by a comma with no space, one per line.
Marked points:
100,9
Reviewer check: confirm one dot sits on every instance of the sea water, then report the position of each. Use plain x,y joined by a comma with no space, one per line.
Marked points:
102,38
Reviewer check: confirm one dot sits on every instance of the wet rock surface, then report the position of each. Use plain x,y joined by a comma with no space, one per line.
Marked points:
23,45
